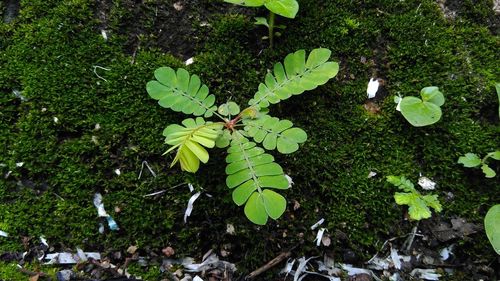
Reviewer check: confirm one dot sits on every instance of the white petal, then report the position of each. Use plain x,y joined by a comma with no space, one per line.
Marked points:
191,188
118,172
189,208
44,241
319,236
197,278
3,233
104,35
19,164
56,120
395,258
398,100
372,88
290,180
371,174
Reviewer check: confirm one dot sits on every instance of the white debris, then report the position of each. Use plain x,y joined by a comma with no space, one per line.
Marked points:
378,263
19,95
101,212
197,278
155,193
354,270
230,229
189,61
56,120
372,88
118,172
427,274
288,267
371,174
446,252
104,35
290,180
395,258
426,183
398,100
69,258
44,241
189,208
320,222
178,6
3,233
19,164
191,187
319,236
210,262
301,268
81,255
101,228
97,126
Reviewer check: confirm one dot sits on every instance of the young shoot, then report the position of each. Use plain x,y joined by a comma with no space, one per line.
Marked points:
422,112
252,174
419,205
472,160
285,8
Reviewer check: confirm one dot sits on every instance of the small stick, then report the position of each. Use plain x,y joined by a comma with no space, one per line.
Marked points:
268,265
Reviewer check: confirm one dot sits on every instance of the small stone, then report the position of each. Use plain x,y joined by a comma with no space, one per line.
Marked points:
178,273
296,205
326,240
117,209
224,253
168,251
230,229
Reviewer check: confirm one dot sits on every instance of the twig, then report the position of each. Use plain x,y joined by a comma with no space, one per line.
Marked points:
412,237
163,191
149,168
269,265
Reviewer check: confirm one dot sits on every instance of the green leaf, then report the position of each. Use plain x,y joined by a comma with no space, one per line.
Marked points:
402,183
497,87
285,8
469,160
418,209
495,155
492,227
420,113
432,95
295,76
248,3
190,141
250,172
488,172
275,133
261,21
181,92
229,109
223,139
255,209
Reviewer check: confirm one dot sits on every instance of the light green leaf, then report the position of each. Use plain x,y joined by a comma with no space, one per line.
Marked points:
181,92
261,21
248,3
223,139
418,203
296,76
492,227
420,113
488,172
255,209
469,160
401,182
229,108
285,8
495,155
497,87
432,95
275,204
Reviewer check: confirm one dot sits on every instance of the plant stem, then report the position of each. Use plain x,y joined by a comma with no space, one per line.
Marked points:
271,29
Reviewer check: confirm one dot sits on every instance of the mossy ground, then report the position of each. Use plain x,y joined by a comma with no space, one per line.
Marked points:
50,53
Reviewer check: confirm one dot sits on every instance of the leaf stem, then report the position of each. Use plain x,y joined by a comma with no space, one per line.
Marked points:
271,29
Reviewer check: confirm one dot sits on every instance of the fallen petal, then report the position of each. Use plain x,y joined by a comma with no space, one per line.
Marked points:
189,208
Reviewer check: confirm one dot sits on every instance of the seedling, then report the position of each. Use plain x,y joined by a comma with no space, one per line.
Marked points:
497,87
251,172
285,8
492,227
419,204
472,160
422,112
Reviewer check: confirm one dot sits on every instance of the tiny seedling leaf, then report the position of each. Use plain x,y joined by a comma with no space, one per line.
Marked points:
229,109
488,172
261,21
285,8
248,3
492,227
425,111
469,160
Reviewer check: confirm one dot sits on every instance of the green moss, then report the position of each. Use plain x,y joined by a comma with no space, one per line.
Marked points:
51,51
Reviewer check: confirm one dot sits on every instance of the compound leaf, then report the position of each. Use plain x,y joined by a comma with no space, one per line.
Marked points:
492,227
190,140
250,172
274,133
295,76
470,160
181,92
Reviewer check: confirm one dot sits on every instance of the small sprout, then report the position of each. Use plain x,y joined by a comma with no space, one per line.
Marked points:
492,227
425,111
472,160
419,204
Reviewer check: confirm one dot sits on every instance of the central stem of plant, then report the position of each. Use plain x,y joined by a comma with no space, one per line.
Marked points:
230,124
271,29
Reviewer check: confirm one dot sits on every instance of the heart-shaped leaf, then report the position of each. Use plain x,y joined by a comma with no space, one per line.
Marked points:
492,227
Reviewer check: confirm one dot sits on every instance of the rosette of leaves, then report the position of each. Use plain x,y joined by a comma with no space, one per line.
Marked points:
422,112
419,205
472,160
284,8
252,174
